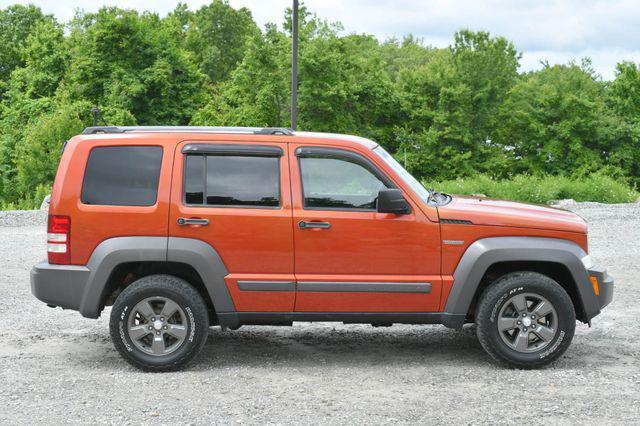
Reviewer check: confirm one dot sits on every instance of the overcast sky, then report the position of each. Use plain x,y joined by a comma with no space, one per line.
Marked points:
555,31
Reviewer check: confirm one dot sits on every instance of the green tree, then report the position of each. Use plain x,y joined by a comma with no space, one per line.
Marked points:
37,155
623,100
133,62
553,118
45,63
451,104
16,24
218,34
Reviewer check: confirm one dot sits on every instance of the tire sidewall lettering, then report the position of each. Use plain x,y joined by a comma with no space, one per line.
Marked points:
553,347
192,323
121,329
501,300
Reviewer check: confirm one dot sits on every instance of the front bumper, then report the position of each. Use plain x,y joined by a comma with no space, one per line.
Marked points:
605,285
59,285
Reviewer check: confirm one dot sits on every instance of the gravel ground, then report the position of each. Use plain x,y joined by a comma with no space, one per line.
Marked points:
57,367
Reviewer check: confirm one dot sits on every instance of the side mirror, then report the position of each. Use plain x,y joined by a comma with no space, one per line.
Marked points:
391,201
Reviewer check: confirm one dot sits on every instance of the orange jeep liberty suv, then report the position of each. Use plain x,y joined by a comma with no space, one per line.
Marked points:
182,228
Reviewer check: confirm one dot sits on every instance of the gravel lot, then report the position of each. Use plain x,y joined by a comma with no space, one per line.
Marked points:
57,367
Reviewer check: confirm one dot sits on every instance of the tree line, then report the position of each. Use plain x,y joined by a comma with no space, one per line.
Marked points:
445,113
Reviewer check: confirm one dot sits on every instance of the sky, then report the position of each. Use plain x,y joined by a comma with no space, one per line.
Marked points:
543,30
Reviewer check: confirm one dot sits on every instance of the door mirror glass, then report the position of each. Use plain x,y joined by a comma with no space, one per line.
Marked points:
390,200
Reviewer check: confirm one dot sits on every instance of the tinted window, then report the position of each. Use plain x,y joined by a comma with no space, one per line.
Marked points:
122,176
194,179
338,183
228,180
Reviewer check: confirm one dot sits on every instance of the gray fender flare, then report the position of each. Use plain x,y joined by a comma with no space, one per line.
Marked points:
485,252
116,251
208,263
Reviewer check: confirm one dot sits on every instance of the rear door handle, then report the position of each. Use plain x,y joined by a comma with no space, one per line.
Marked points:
313,225
183,221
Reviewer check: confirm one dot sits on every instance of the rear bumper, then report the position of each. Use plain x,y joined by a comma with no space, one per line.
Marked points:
605,285
59,285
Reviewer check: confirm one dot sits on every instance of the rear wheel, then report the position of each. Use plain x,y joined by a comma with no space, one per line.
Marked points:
159,323
525,319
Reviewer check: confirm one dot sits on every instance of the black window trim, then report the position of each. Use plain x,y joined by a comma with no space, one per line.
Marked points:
86,165
235,150
341,154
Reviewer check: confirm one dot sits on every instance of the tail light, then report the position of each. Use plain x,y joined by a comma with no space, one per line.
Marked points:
59,240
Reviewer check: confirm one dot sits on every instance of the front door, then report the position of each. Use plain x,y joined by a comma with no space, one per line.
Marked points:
236,197
349,257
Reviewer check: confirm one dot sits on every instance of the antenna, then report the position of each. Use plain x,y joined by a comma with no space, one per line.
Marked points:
95,111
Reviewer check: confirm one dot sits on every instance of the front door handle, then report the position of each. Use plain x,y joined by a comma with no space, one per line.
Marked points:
183,221
313,225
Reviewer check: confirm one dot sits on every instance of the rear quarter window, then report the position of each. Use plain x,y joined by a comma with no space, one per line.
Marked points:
122,176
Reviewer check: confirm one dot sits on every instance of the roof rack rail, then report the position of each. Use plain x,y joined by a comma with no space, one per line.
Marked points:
188,129
274,131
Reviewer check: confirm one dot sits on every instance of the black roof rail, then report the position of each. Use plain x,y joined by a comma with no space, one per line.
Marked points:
196,129
101,129
274,131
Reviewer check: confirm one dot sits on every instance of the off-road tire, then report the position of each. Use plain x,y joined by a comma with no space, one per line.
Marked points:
178,291
501,292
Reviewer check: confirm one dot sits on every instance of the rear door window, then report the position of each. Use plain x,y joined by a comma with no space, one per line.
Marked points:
122,176
232,180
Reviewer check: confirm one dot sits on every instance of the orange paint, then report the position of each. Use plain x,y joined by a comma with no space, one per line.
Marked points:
266,244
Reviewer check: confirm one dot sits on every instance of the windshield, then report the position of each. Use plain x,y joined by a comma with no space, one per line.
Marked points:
415,185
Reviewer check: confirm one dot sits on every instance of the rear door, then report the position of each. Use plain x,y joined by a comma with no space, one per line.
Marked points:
349,257
236,197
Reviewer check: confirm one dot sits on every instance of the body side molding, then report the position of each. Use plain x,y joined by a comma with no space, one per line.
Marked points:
483,253
246,285
364,287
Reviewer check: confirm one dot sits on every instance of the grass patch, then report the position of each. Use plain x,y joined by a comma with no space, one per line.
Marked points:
542,189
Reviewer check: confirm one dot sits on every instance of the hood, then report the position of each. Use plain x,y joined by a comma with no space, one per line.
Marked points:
486,211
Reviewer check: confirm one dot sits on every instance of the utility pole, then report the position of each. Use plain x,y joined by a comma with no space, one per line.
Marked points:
294,68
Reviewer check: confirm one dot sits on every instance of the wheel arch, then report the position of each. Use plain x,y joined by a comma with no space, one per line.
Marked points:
554,270
558,257
115,259
127,273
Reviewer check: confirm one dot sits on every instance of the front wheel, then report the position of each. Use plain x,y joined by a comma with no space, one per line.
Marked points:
525,319
159,323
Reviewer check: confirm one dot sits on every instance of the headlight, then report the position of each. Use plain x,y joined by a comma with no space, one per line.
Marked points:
588,262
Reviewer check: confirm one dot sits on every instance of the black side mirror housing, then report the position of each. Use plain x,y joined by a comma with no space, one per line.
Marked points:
390,200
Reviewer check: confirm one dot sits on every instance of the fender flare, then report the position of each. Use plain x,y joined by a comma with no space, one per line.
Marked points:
485,252
115,251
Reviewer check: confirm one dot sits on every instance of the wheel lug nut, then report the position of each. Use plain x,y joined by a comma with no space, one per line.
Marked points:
157,333
519,322
161,319
533,317
150,328
525,329
165,327
153,318
533,326
524,315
